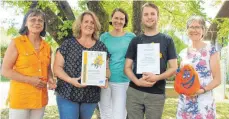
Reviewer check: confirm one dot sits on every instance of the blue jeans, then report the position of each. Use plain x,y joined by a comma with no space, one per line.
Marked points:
74,110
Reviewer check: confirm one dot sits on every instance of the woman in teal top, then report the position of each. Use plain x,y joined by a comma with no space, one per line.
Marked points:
113,99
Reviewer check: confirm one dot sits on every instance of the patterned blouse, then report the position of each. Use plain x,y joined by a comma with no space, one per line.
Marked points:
203,105
71,50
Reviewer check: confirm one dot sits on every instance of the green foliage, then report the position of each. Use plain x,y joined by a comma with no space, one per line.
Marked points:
64,29
179,44
51,41
173,15
83,5
176,13
48,4
225,63
217,2
3,50
227,92
3,79
22,6
223,32
77,12
12,31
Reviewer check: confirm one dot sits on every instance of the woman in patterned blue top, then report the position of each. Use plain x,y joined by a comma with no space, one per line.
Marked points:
74,100
205,60
113,99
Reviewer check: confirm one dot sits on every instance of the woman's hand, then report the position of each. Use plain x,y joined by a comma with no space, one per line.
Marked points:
37,82
194,96
200,91
51,84
75,82
106,84
108,73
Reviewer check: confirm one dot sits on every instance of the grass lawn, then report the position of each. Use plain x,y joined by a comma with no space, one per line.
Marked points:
169,111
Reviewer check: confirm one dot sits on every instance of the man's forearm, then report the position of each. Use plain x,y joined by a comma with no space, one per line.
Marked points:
129,73
168,73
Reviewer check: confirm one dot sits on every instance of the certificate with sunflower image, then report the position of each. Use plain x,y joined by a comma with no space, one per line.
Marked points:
93,68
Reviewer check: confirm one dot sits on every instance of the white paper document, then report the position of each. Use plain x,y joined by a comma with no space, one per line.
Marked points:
93,68
148,58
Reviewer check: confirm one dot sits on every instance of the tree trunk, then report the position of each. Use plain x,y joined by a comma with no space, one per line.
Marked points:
33,5
97,8
136,19
53,21
65,10
52,25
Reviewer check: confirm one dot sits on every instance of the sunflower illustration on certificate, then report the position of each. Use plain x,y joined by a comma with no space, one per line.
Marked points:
93,68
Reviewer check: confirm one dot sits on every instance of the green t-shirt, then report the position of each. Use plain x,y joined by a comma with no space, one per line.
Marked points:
117,47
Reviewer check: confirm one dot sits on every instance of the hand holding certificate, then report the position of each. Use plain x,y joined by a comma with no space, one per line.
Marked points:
74,81
148,58
93,68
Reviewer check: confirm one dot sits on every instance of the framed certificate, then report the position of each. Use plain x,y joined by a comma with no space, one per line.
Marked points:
93,68
148,58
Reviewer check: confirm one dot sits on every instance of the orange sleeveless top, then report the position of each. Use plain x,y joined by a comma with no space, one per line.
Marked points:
29,63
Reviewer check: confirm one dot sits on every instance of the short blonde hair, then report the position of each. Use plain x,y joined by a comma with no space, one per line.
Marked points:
77,23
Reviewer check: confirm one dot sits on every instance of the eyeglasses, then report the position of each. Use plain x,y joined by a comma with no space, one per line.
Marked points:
33,20
195,27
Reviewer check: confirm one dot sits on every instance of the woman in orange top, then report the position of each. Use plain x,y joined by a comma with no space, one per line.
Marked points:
27,65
